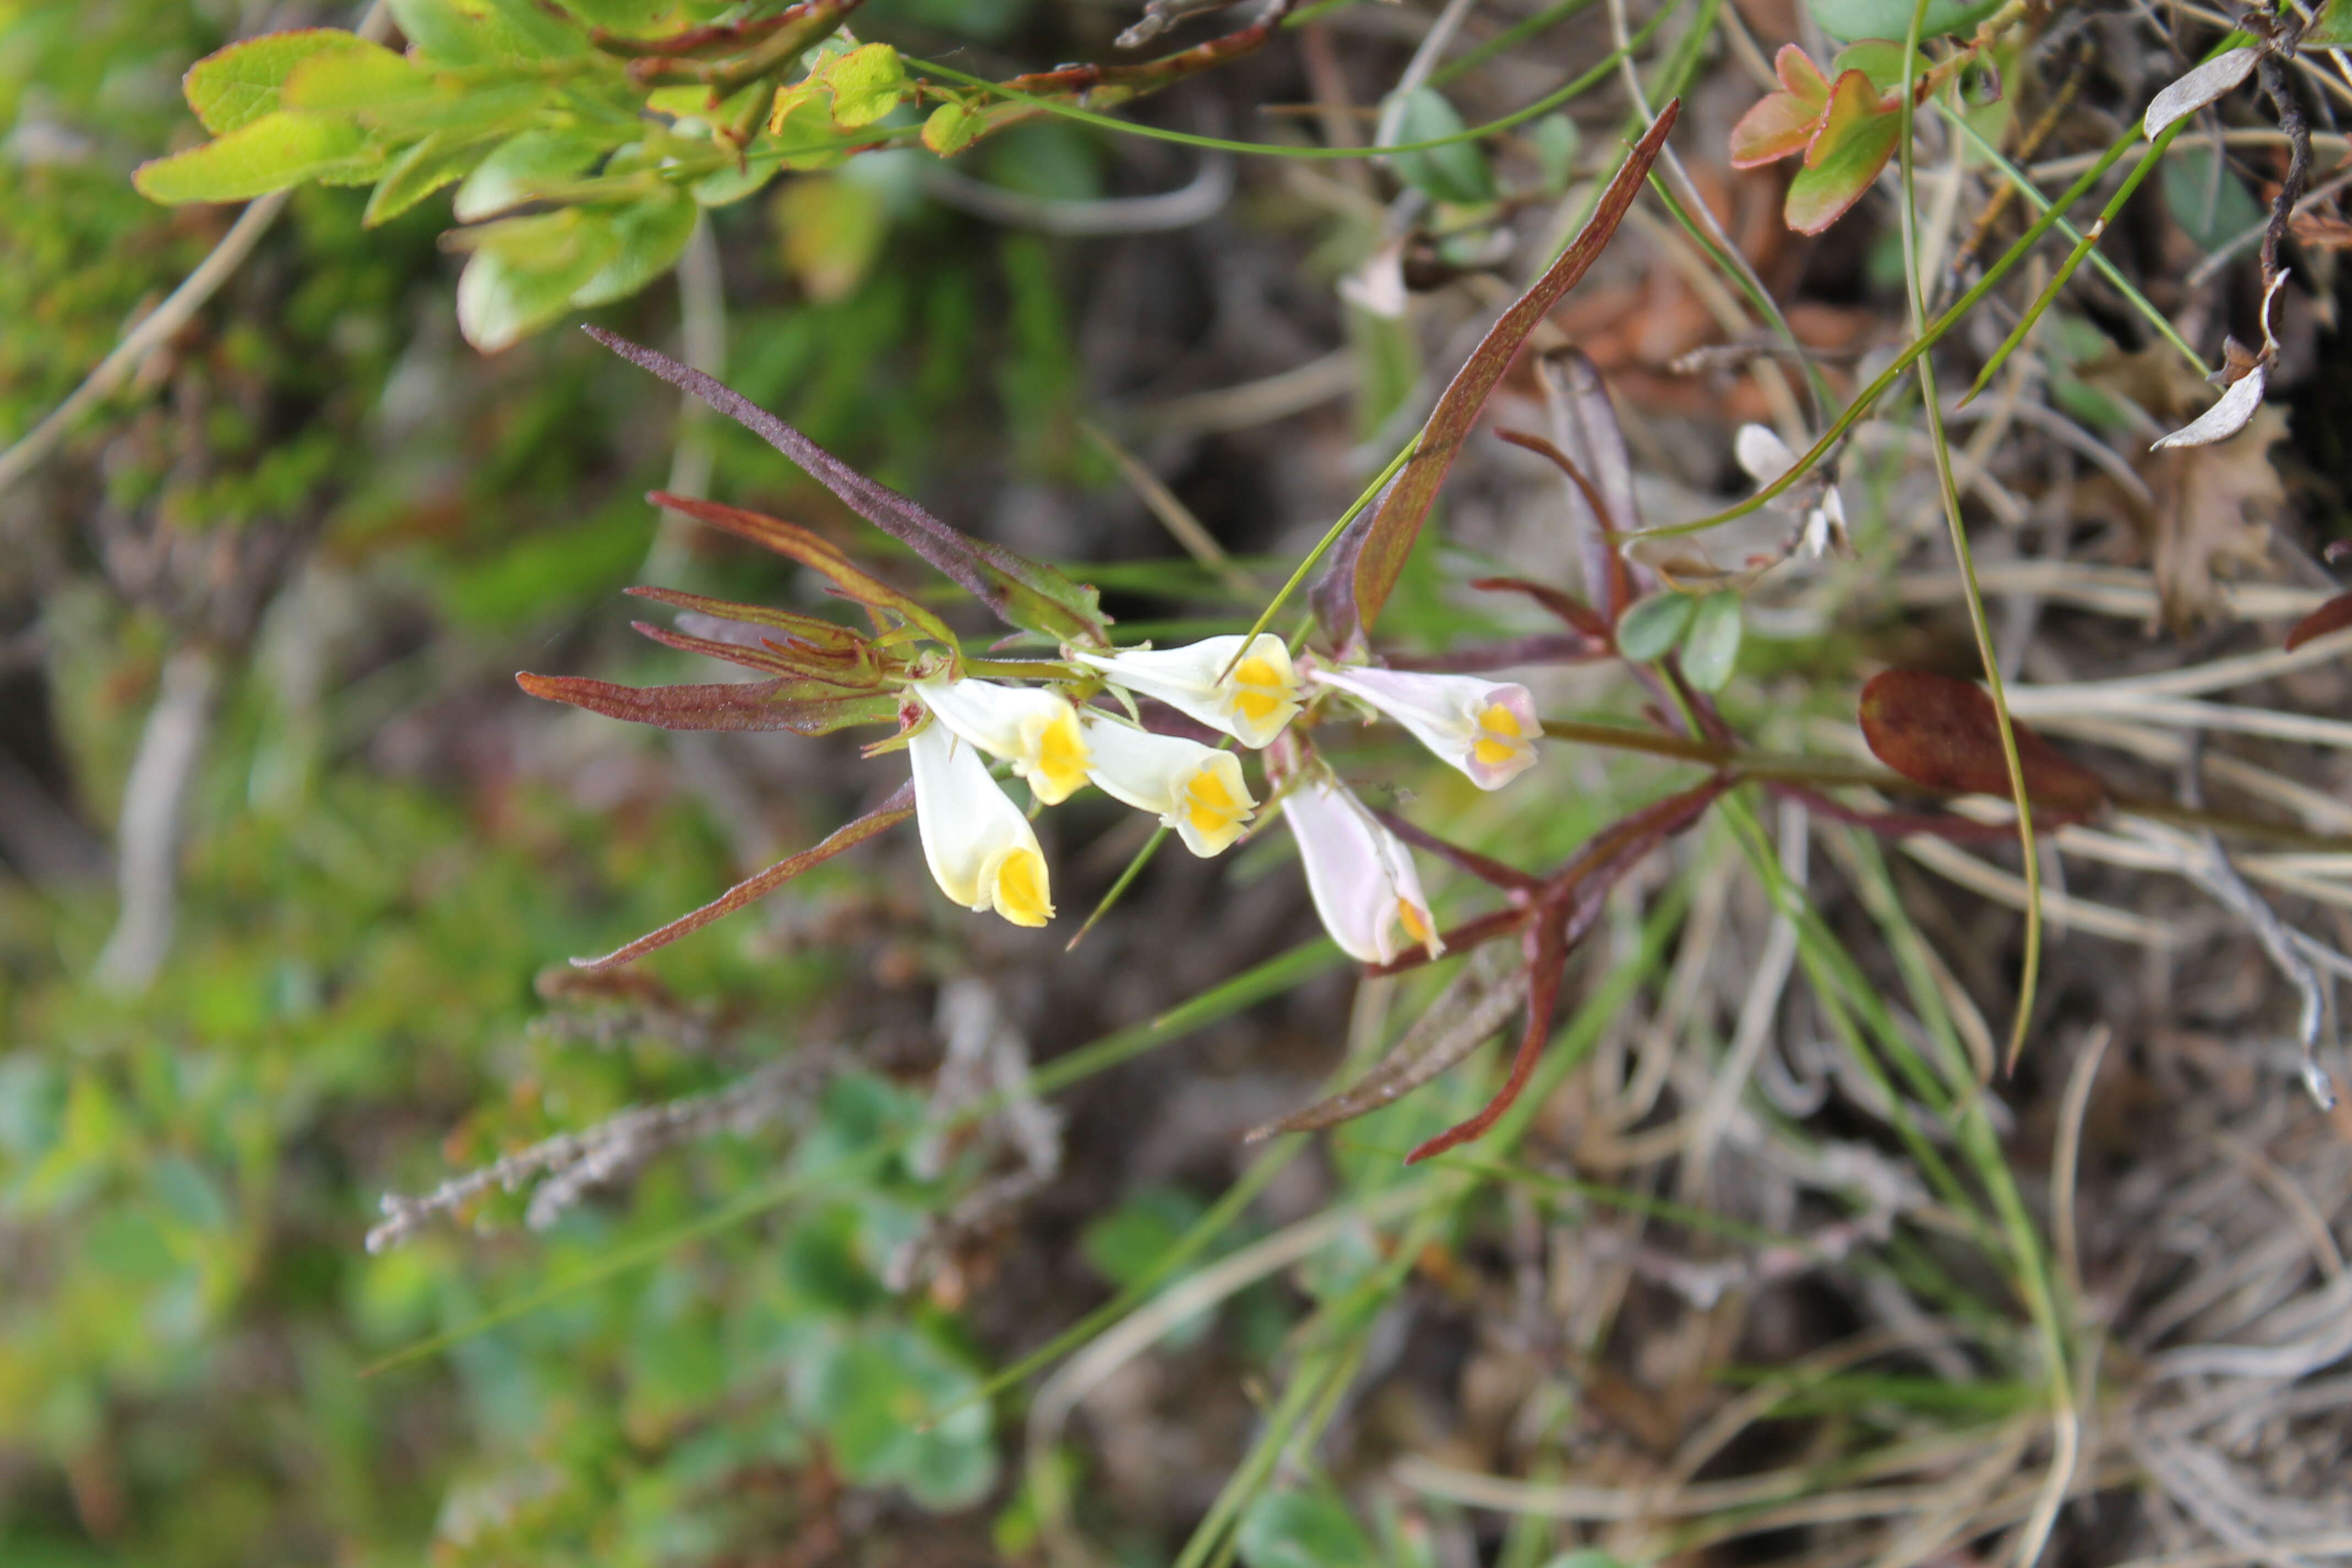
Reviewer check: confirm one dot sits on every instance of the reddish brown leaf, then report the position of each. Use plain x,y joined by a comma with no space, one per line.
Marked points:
816,552
1785,121
1901,824
1857,135
1567,606
1485,868
888,814
1462,1019
1944,733
1588,445
1545,965
816,632
1389,540
2331,616
845,675
1476,931
803,707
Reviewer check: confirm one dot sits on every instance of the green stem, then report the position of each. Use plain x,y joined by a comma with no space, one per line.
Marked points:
1948,489
1903,361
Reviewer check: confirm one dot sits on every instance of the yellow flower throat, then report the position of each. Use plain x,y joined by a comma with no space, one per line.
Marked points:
1259,690
1500,736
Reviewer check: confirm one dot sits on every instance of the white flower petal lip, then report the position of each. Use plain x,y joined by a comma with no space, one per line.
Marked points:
1765,458
1487,729
1360,874
1761,453
1253,704
1034,730
1197,790
982,850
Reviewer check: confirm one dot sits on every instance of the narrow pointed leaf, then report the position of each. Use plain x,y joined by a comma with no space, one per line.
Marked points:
1579,614
810,629
2332,617
1544,970
892,812
846,677
1463,1018
814,552
803,707
1389,542
1023,593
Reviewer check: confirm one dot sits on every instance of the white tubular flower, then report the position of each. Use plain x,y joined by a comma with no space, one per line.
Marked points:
982,850
1361,874
1486,729
1034,730
1253,704
1766,458
1195,789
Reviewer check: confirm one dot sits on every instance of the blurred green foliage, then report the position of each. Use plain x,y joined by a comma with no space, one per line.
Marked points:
185,1177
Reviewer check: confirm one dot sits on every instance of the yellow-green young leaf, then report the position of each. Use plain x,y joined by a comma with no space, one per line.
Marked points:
484,32
239,84
729,186
440,32
951,128
280,149
652,234
525,270
868,83
629,19
436,160
1855,141
520,167
833,228
2332,28
793,101
805,134
355,80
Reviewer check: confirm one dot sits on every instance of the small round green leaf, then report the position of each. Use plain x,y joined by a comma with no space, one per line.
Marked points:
1457,173
1299,1529
1711,650
1891,18
1650,627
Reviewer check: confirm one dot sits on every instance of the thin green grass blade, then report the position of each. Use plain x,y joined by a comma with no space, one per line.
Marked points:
1134,870
2105,268
1903,361
2067,269
1914,291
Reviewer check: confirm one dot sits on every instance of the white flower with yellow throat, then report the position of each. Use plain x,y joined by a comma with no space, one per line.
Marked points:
982,850
1253,700
1197,790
